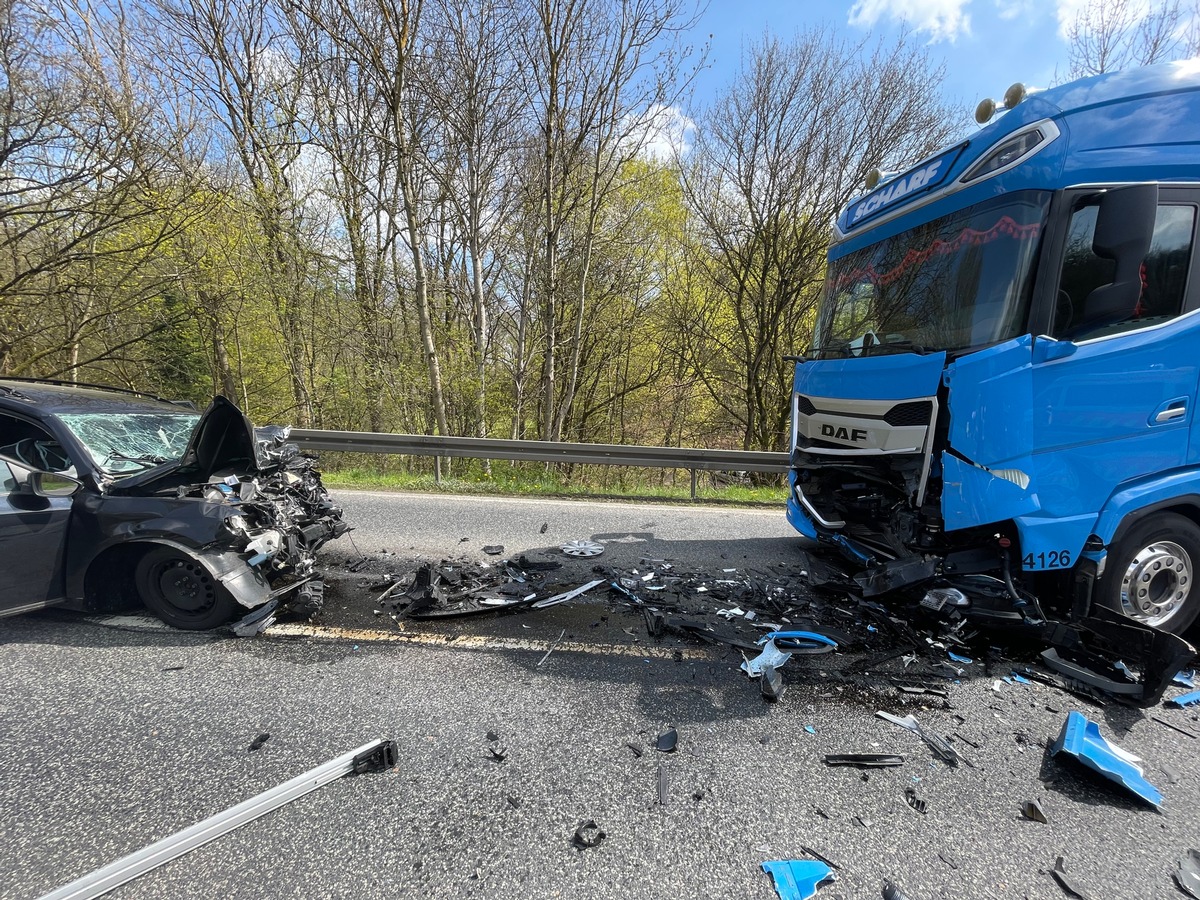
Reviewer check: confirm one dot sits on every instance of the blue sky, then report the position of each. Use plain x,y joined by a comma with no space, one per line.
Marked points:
986,44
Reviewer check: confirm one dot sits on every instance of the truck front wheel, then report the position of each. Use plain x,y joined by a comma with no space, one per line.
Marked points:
1151,570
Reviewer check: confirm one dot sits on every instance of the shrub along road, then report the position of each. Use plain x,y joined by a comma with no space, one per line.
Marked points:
115,733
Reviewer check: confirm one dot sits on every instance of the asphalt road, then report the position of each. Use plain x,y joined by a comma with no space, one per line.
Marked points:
115,733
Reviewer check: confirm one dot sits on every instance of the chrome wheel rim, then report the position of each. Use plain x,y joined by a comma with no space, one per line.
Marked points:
1156,583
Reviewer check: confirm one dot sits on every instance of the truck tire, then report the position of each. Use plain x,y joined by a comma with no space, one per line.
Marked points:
1150,573
177,588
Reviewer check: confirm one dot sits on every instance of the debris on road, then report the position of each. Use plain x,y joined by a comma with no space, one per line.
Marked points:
1031,809
1066,883
587,835
668,741
1081,740
864,760
582,549
942,748
910,796
1187,874
557,641
1185,700
798,879
892,892
258,742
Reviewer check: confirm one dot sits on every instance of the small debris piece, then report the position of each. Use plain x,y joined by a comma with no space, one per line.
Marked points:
1187,875
892,892
497,754
864,760
257,620
914,801
815,855
1173,727
662,785
493,549
637,750
959,658
1031,809
587,835
667,741
948,859
172,669
514,802
545,657
544,528
1173,775
1081,739
568,595
1186,678
810,729
772,684
582,549
941,748
1185,700
797,879
1060,875
258,742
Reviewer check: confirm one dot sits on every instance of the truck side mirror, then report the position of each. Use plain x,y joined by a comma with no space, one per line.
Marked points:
1124,227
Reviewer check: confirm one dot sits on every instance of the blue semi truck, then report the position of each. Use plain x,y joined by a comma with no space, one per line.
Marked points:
997,414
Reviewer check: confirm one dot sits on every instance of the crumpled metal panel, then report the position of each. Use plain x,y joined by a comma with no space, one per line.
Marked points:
1081,739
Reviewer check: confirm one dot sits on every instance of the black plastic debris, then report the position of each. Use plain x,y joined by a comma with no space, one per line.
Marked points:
893,892
815,855
545,527
772,684
667,741
1065,882
941,747
637,750
864,760
257,743
493,549
514,802
1031,809
1187,874
587,835
910,796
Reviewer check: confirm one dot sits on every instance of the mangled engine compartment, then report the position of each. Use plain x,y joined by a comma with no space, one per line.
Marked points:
281,514
881,535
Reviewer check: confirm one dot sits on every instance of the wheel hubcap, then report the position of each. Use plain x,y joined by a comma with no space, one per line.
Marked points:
186,586
1156,583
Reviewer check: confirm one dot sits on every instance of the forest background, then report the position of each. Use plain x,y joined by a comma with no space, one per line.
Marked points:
503,218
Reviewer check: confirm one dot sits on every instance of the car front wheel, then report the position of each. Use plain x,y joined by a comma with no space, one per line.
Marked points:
1151,571
177,588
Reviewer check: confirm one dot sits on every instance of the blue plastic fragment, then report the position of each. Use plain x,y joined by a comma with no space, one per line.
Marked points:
1020,679
1186,678
872,629
959,658
1082,740
1007,680
798,879
1183,700
804,640
810,729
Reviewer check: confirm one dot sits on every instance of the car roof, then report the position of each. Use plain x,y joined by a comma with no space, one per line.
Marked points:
61,398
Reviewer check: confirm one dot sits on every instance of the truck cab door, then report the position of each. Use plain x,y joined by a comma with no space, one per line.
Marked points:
1114,381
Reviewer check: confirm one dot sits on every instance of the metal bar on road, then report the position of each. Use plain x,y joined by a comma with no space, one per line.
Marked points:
542,451
130,867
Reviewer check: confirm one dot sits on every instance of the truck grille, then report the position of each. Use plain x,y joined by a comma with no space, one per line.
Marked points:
804,406
916,412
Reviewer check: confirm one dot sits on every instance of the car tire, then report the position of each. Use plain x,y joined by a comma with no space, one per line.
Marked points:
1150,573
177,588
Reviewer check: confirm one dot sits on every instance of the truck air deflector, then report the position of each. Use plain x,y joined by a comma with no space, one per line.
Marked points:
897,376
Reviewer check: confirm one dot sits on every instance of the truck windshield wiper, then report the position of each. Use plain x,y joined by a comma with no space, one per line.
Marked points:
897,344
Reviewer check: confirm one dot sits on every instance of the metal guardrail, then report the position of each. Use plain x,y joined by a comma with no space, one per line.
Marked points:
692,459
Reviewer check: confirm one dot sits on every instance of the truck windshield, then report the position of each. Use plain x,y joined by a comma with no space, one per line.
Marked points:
960,281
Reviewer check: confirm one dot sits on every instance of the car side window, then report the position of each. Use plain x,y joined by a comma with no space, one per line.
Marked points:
8,483
1163,275
32,446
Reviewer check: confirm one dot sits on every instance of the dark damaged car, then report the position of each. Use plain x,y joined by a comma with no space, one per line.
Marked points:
110,495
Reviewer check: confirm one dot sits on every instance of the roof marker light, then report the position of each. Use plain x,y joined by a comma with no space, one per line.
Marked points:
987,106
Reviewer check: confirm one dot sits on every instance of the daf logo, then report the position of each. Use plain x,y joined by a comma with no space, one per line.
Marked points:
843,433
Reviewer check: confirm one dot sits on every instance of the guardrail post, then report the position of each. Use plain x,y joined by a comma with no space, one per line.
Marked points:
693,472
437,471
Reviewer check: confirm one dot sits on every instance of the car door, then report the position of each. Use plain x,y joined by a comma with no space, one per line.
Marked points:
33,533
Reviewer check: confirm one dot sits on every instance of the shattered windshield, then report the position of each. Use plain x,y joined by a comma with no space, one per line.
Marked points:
960,281
123,443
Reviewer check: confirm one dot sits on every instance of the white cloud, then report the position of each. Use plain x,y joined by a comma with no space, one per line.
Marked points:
663,133
1068,10
944,20
1008,10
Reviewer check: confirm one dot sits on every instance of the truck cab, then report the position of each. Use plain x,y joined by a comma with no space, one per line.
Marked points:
1000,395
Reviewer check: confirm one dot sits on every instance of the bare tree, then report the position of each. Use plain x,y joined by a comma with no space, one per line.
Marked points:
776,157
1110,35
